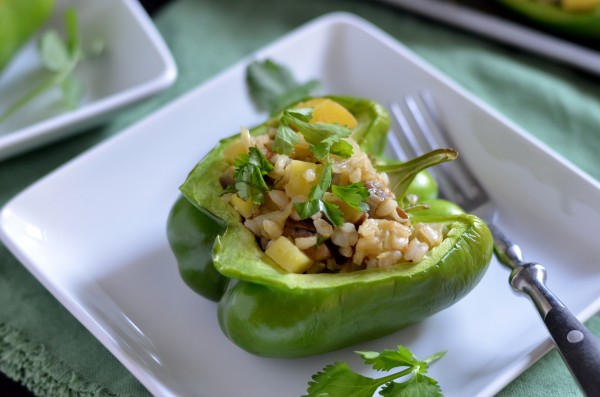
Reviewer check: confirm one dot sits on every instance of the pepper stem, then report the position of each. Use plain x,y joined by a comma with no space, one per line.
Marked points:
401,174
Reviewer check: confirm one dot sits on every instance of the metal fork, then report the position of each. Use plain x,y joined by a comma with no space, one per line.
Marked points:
421,130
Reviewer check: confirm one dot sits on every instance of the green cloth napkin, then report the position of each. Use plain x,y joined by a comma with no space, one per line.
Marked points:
44,347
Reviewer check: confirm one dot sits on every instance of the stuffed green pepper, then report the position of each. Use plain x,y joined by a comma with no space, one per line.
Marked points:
310,240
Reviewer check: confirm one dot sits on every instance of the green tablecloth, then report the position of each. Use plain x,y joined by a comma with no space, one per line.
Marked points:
44,347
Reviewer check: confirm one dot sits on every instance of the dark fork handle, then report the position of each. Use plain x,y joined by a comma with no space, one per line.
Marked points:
579,348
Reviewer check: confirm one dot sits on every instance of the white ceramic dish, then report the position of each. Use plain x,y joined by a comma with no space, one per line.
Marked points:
93,232
135,65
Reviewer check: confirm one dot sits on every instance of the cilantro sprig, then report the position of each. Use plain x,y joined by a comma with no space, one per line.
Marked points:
316,204
338,380
249,172
354,195
323,138
60,58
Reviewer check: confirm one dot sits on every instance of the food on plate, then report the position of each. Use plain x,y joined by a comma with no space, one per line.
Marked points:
60,57
19,20
577,18
311,241
579,5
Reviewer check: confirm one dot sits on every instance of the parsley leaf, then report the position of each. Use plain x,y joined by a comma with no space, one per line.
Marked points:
338,380
315,202
354,195
249,173
273,87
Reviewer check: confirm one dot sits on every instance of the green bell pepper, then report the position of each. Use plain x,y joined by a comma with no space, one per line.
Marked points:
19,20
552,16
270,312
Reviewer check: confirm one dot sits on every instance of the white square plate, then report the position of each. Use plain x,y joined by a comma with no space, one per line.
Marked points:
135,64
93,232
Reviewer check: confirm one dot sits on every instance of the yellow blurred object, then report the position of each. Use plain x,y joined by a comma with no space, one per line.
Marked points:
328,111
579,5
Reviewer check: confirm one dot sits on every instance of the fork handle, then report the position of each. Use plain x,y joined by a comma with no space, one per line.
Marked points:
579,348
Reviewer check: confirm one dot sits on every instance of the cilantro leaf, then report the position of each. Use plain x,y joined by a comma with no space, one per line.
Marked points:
308,208
315,203
339,380
324,138
285,139
417,386
332,212
249,173
273,87
389,359
354,195
60,57
324,182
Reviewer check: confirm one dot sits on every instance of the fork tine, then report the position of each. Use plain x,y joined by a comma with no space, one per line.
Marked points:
469,185
410,140
422,131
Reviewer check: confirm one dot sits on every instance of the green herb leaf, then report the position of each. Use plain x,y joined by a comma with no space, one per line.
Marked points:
417,386
323,138
53,52
389,359
249,173
308,208
332,212
315,202
60,57
285,139
273,87
354,195
72,90
339,380
324,182
73,39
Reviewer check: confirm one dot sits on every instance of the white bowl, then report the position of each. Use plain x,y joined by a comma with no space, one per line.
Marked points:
135,65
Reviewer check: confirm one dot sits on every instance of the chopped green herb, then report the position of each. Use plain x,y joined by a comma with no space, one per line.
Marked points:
273,87
249,173
338,380
286,137
323,138
60,57
354,195
315,203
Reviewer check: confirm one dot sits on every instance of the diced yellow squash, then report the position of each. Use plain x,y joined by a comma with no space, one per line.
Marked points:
303,176
328,111
579,5
350,214
245,208
288,256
